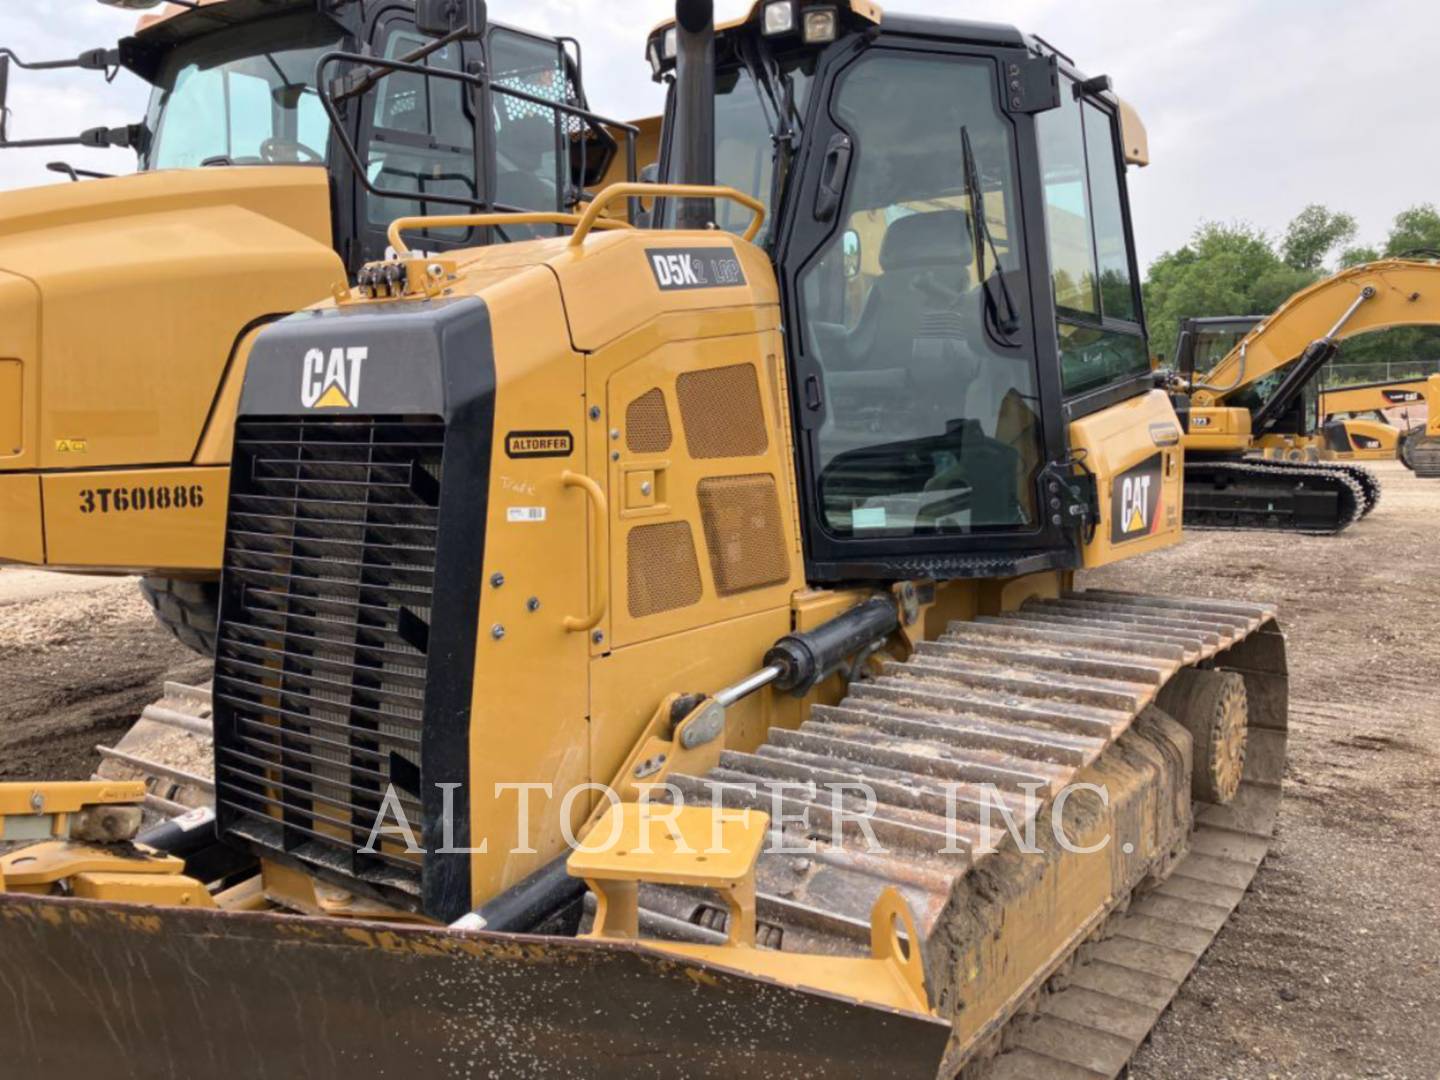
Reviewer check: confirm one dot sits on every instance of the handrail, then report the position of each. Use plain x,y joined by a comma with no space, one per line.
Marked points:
484,221
600,572
681,191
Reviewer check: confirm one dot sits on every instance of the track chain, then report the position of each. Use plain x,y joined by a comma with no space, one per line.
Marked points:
1354,501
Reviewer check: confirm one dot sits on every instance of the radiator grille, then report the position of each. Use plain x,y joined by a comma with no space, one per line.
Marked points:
743,533
647,424
721,411
663,572
320,675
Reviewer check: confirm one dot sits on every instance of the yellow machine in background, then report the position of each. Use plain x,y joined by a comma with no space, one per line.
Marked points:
1263,395
127,305
600,525
1415,442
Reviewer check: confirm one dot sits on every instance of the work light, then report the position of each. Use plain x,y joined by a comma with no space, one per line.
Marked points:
821,26
780,17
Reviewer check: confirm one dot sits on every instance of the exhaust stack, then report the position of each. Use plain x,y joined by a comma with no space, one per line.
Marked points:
695,107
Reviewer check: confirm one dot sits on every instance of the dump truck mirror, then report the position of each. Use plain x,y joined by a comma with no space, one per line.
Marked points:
440,18
852,254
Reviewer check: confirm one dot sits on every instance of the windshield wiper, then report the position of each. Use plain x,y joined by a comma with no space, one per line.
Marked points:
1007,323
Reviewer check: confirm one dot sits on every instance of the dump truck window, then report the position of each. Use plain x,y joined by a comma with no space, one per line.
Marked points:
930,427
243,98
528,136
423,139
1101,341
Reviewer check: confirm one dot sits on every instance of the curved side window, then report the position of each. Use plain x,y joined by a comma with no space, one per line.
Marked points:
1099,311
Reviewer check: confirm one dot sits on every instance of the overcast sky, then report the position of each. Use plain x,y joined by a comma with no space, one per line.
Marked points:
1254,107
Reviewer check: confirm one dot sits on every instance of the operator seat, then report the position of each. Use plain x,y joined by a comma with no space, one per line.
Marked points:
923,298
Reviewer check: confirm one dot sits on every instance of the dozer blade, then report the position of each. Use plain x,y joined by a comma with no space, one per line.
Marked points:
101,989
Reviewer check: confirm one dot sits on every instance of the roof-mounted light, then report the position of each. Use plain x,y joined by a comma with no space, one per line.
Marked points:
822,26
779,18
672,43
657,65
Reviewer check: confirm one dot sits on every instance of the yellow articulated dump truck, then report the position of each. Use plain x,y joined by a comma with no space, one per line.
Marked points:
647,651
128,304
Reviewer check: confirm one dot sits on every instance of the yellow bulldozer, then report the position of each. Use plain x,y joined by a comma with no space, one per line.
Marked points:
128,304
628,639
1263,395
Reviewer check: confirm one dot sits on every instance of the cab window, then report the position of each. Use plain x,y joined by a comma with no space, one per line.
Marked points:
529,137
423,135
930,427
1101,340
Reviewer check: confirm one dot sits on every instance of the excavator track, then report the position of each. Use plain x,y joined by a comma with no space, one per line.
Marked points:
1314,498
170,748
1060,690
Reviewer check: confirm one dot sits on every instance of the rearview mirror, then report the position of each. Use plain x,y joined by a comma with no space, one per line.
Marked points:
439,18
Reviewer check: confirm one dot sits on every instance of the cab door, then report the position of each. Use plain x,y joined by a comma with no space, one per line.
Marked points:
417,137
924,356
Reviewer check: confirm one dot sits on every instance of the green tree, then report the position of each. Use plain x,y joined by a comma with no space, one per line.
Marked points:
1315,232
1415,229
1356,255
1223,270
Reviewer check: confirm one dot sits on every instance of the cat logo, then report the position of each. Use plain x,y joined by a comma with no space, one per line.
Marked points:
1402,397
1135,504
332,381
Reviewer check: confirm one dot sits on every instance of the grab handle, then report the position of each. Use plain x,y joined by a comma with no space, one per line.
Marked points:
600,602
484,221
655,191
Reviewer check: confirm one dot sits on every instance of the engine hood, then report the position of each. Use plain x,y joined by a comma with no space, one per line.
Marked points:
142,286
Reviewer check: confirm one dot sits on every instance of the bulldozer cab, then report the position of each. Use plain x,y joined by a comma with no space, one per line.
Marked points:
236,84
951,233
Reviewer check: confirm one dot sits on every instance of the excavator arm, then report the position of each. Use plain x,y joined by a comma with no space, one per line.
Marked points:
1374,296
1377,397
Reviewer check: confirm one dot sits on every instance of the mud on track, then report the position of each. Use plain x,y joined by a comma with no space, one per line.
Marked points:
1331,968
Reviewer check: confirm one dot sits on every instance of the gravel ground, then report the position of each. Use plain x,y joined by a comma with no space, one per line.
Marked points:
1331,968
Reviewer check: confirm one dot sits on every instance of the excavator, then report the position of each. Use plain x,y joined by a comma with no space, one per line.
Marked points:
1356,422
661,650
128,304
1264,393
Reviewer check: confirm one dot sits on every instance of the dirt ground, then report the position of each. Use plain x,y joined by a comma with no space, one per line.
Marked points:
1331,968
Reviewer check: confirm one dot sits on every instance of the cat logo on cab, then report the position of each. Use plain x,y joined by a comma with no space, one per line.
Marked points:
332,380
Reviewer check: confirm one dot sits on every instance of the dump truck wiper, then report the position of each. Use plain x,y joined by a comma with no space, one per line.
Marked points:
1007,323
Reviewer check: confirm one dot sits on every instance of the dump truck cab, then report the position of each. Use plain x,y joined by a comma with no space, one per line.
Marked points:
127,300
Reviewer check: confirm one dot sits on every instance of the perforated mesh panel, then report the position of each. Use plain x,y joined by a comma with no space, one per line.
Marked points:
664,573
721,410
743,533
647,424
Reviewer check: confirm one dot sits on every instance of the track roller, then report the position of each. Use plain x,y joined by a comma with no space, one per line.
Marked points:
1213,707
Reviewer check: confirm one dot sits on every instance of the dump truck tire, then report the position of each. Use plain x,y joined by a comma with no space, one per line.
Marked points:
188,609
